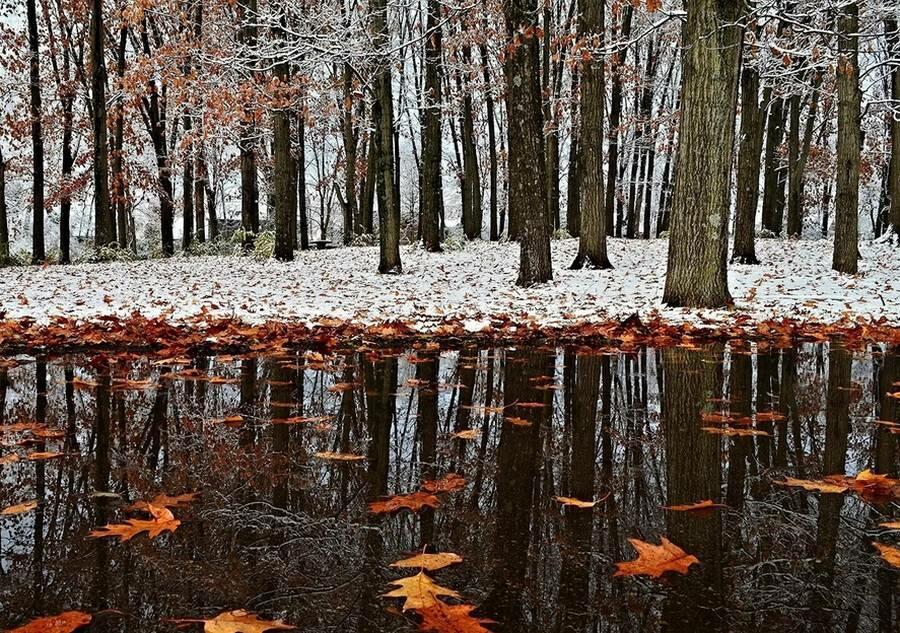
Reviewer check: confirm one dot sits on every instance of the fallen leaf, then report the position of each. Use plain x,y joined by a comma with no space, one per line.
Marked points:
165,501
19,508
449,618
419,591
575,503
827,487
706,504
340,457
891,525
430,562
729,431
517,421
468,434
655,560
889,553
238,621
6,460
63,623
413,501
162,520
451,482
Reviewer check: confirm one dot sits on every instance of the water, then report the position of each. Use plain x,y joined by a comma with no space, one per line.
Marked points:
284,533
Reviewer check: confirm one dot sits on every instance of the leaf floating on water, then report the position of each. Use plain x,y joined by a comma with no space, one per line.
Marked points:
730,431
655,560
448,618
414,501
42,456
238,621
451,482
63,623
419,591
891,525
706,504
340,457
162,520
517,421
468,434
769,416
828,487
889,553
6,460
19,508
873,486
575,503
429,562
165,501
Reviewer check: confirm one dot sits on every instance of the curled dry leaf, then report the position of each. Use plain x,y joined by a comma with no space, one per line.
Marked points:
706,504
575,503
162,520
238,621
448,618
468,434
828,487
340,457
414,501
19,508
63,623
451,482
655,560
429,562
889,553
419,591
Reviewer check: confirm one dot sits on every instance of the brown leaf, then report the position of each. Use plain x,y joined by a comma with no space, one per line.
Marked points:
828,487
340,457
419,591
19,508
889,553
447,618
165,501
575,503
430,562
413,501
162,520
655,560
238,621
891,525
706,504
451,482
468,434
728,431
63,623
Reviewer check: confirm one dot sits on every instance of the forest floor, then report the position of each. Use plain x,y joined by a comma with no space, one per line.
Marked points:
473,289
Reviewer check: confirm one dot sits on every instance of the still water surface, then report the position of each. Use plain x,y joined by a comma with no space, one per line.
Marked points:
280,531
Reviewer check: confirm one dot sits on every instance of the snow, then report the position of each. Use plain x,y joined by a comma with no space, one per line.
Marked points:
469,287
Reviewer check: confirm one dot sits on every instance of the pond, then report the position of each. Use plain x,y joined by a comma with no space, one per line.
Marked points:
288,451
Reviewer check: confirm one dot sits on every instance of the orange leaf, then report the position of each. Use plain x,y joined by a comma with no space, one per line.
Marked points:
430,562
827,487
19,508
655,560
340,457
63,623
446,618
414,501
162,521
419,591
889,553
706,504
451,482
575,503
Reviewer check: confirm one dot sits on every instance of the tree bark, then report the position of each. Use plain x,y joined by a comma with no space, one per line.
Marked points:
795,175
246,143
38,253
4,221
846,220
351,142
615,116
525,142
103,229
592,237
573,185
774,136
472,211
748,168
893,40
495,229
432,120
697,273
283,161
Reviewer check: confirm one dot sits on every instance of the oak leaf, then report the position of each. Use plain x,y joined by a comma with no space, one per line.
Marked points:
238,621
889,553
419,591
448,618
165,501
828,487
429,562
575,503
65,622
655,560
414,501
467,434
729,431
706,504
162,520
451,482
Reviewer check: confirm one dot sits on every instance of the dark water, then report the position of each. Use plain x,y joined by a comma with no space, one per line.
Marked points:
279,531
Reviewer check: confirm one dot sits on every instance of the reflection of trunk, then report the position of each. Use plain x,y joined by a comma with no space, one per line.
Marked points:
517,469
889,410
280,404
740,395
248,401
426,376
693,473
158,419
574,582
102,444
4,221
40,490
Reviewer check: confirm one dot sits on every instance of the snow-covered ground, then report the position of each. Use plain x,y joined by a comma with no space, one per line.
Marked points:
469,286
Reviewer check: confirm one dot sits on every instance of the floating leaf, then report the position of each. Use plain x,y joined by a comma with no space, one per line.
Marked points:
873,486
6,460
517,421
63,623
706,504
449,618
340,457
430,562
828,487
467,434
729,431
19,508
419,591
165,501
575,503
891,525
655,560
162,520
238,621
42,456
889,553
451,482
414,501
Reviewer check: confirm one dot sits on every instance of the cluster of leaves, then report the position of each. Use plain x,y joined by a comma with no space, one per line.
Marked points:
425,497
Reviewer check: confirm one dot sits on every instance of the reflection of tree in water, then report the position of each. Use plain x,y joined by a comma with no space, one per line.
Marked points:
281,532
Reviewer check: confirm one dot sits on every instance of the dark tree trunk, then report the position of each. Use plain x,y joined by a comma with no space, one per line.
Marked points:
104,233
4,220
525,141
367,206
697,273
302,212
495,229
893,40
119,197
795,173
247,141
748,168
472,211
283,162
432,120
68,162
592,231
351,142
774,136
846,220
573,185
187,190
615,117
36,112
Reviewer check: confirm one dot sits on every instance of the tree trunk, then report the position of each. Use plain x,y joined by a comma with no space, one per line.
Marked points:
592,238
472,212
118,197
573,185
4,221
430,197
748,168
282,161
697,273
68,162
774,136
495,229
525,140
103,230
350,148
302,215
246,143
893,40
367,206
187,190
38,253
615,116
846,229
795,175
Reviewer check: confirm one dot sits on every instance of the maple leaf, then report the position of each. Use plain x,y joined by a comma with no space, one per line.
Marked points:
706,504
165,501
451,482
162,521
238,621
413,501
419,591
340,457
447,618
889,553
430,562
575,503
828,487
655,560
65,622
19,508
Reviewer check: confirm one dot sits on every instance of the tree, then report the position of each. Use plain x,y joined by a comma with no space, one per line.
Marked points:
249,185
4,223
592,229
697,272
103,228
525,141
846,220
430,199
37,137
893,41
283,180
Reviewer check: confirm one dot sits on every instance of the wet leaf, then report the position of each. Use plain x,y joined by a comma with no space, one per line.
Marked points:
517,421
891,525
419,591
340,457
451,482
162,520
889,553
429,562
42,456
828,487
238,621
447,618
873,486
65,622
575,503
413,501
6,460
655,560
729,431
19,508
706,504
468,434
165,501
